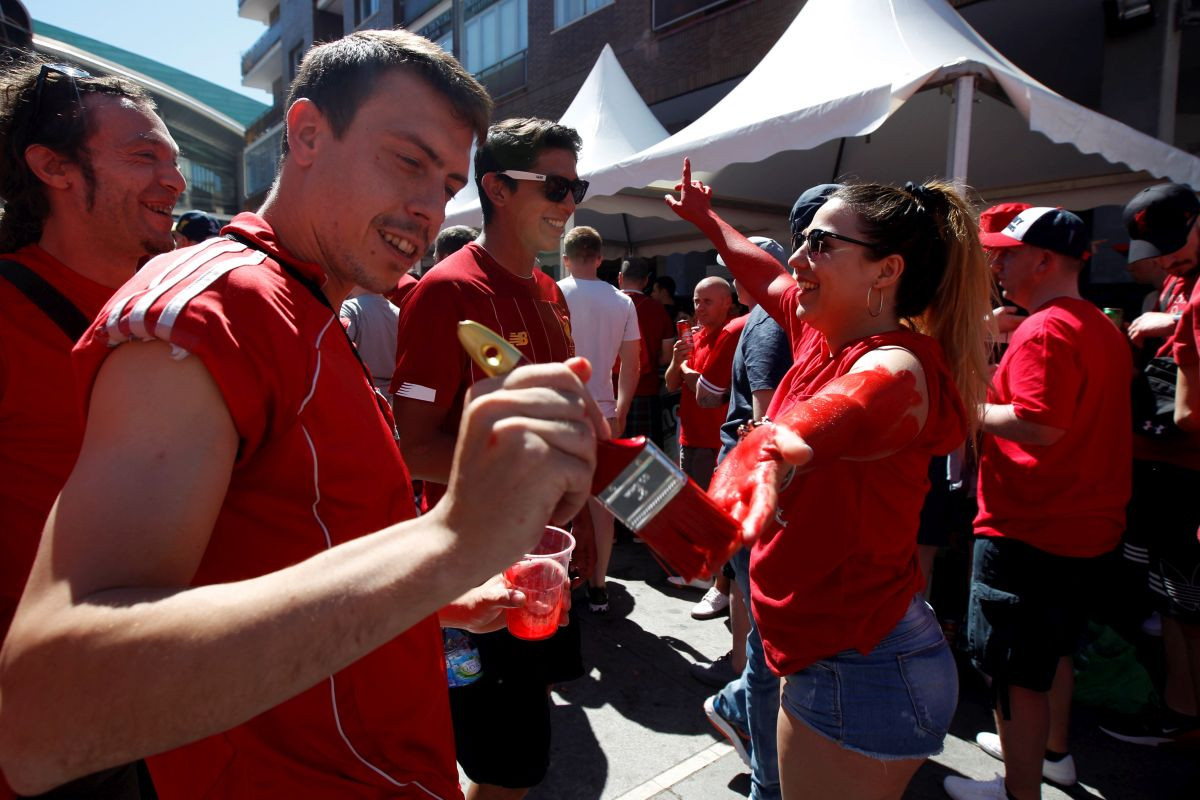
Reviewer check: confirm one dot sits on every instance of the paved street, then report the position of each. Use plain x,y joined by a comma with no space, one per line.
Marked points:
633,728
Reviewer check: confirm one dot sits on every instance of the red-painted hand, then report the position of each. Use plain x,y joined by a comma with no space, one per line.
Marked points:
695,199
746,484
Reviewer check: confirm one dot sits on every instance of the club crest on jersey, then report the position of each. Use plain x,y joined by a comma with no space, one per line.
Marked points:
519,339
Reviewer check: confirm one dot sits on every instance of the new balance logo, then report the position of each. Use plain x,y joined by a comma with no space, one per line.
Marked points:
518,339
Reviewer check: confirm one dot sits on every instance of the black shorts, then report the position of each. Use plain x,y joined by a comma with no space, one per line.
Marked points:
502,721
645,418
502,731
1163,523
1027,610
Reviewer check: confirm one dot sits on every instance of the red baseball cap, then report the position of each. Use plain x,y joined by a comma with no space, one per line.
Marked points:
996,218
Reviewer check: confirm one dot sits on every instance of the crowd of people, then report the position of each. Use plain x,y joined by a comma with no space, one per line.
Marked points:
258,499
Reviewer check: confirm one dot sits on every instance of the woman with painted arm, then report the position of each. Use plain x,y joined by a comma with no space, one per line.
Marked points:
885,314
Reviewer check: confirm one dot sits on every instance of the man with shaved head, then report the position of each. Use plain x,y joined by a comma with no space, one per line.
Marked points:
703,366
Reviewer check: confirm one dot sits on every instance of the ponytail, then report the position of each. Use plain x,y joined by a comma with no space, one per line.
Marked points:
945,290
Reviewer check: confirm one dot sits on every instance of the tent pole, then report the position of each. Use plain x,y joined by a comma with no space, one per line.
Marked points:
628,238
837,162
960,130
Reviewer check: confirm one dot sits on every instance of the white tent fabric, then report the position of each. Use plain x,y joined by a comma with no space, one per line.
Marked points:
611,118
847,69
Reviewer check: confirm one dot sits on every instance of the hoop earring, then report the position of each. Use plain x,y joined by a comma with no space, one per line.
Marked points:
879,310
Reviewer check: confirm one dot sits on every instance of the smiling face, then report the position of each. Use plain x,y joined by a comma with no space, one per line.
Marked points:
834,283
135,180
537,221
382,188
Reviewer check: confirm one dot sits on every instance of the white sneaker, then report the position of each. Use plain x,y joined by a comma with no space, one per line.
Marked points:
712,605
1059,772
967,789
698,583
1152,626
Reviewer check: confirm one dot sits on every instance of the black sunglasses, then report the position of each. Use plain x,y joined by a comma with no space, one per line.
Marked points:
556,187
65,70
816,238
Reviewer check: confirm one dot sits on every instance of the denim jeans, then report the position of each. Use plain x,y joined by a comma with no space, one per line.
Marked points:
751,700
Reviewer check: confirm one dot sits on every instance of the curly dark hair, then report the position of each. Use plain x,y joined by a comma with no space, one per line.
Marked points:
40,103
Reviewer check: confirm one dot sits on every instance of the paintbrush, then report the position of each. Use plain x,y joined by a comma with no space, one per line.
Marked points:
686,531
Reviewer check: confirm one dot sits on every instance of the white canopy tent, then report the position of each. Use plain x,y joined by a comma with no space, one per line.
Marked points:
611,118
859,89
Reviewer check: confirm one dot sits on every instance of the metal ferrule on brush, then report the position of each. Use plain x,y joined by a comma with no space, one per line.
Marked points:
643,488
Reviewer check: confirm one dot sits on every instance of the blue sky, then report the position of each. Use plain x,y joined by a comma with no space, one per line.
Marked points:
203,37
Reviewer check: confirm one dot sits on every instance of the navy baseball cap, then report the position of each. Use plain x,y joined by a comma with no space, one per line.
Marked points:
1159,220
806,205
1053,229
769,245
197,226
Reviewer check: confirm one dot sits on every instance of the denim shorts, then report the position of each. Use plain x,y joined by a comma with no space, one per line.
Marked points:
895,702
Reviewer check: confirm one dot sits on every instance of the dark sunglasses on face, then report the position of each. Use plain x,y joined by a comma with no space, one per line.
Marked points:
816,237
556,187
64,70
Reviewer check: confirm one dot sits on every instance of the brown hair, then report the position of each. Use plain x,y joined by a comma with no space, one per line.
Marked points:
58,120
515,144
945,289
583,242
339,77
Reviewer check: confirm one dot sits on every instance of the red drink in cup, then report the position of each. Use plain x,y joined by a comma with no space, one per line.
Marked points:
542,577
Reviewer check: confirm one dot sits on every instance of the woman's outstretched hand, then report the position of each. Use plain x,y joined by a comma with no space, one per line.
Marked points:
695,199
746,483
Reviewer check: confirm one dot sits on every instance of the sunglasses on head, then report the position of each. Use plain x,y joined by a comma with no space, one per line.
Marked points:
815,237
556,187
64,70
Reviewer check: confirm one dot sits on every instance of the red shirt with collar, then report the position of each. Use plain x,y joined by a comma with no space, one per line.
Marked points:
41,427
712,356
317,465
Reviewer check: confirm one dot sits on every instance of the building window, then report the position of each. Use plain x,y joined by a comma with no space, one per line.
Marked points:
295,55
570,10
495,33
364,10
441,31
260,161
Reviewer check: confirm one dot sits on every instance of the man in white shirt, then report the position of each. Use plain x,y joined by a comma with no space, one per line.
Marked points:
604,326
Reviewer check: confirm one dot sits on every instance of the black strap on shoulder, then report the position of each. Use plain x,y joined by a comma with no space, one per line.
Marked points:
65,314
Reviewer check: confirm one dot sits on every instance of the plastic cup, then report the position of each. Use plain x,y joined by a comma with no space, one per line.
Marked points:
542,576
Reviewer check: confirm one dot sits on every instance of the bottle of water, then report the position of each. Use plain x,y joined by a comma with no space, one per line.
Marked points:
463,666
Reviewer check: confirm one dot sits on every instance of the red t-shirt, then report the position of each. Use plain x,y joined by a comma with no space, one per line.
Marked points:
530,313
655,326
317,465
712,356
1173,299
843,571
1067,366
41,427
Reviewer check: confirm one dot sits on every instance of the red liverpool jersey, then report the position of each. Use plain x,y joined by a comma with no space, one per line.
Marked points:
317,466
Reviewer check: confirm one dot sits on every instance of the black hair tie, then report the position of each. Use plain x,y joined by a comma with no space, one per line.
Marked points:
922,193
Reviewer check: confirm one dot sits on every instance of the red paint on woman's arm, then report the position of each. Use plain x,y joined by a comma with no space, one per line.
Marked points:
857,416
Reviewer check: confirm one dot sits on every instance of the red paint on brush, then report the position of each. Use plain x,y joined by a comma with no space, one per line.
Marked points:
691,535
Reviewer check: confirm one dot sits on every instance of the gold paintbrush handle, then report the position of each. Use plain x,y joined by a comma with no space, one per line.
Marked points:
491,353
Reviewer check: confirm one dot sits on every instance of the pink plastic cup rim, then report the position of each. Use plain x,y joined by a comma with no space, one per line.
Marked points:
558,554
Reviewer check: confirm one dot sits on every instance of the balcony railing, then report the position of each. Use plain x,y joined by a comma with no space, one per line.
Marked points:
269,39
505,76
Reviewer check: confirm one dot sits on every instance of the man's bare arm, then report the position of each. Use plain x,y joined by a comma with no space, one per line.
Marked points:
760,401
1003,421
1187,399
427,449
111,657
